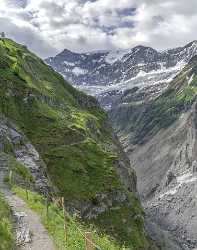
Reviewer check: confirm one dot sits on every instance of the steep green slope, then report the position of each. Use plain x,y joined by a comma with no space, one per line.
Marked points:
71,133
51,114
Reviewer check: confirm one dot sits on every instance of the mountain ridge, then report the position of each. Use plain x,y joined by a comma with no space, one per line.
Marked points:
126,52
128,49
107,75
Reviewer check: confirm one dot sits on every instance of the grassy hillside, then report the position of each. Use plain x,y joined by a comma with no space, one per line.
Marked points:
6,241
69,134
72,135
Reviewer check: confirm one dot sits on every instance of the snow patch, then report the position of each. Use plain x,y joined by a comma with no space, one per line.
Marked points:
69,63
141,73
183,179
79,71
143,79
172,191
186,178
191,79
114,56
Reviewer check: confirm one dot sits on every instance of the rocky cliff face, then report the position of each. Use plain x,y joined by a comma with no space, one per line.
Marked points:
160,138
63,138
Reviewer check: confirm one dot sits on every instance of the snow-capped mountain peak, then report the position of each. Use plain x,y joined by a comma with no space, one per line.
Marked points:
101,72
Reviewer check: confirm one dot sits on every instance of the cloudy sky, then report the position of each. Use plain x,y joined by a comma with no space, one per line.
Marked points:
49,26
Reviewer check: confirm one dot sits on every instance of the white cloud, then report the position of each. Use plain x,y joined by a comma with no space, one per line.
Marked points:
49,26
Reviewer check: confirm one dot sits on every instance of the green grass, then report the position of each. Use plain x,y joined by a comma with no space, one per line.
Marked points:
66,127
6,237
70,132
54,223
127,231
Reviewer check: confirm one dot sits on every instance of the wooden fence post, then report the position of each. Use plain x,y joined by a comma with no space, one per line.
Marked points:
47,207
10,177
27,195
26,190
88,241
65,221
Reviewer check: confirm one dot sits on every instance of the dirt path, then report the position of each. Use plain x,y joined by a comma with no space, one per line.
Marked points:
30,233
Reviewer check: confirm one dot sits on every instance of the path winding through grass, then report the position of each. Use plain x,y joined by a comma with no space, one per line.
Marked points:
29,231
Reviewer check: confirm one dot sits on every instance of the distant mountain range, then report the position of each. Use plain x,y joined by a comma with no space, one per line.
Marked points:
108,74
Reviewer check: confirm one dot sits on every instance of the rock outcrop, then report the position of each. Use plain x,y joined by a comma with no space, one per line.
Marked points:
15,146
